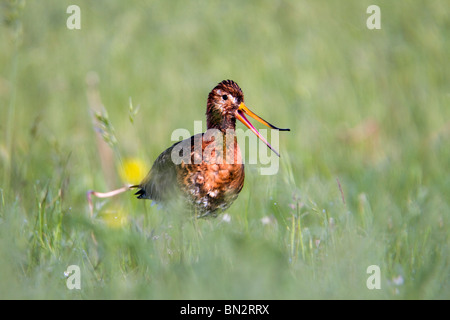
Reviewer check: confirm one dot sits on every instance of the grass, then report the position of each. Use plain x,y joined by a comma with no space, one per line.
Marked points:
363,176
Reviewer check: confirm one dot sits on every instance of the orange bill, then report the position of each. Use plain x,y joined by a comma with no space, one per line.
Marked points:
240,115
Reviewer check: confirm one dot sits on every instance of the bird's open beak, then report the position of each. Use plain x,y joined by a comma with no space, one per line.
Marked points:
240,115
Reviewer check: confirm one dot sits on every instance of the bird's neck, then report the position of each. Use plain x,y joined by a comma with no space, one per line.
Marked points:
221,147
220,122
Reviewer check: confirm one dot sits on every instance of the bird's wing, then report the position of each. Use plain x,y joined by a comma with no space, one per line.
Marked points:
161,184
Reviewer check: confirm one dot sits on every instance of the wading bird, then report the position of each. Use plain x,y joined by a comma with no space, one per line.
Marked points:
204,173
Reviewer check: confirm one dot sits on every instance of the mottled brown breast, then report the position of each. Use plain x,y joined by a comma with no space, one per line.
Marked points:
213,184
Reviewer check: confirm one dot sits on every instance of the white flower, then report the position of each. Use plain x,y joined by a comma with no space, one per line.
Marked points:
226,217
266,220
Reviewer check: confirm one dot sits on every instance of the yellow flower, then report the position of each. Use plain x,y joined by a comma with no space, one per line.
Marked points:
133,170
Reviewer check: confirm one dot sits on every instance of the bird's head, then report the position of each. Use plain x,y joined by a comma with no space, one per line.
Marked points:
226,104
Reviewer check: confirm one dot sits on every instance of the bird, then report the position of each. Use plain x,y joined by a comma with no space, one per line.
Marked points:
205,173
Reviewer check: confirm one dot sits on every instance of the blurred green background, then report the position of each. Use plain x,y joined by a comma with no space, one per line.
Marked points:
364,173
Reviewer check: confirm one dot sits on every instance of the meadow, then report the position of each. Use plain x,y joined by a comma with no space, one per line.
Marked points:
363,176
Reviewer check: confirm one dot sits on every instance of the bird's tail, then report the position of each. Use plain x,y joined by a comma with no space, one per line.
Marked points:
140,193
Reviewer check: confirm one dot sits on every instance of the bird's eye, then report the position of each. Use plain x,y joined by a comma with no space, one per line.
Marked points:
225,97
